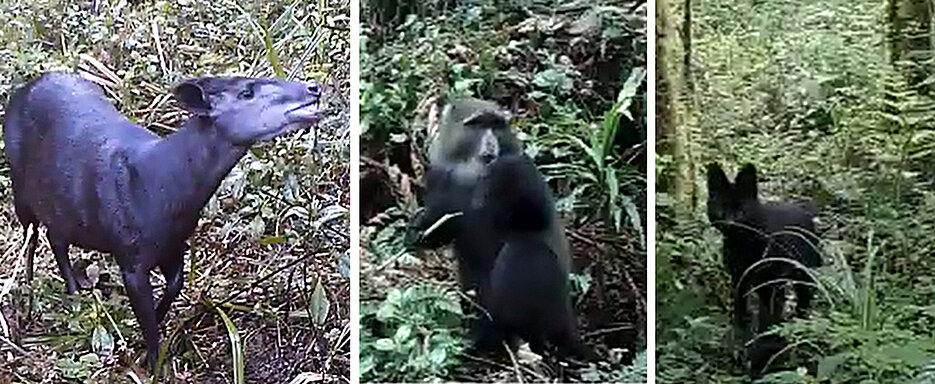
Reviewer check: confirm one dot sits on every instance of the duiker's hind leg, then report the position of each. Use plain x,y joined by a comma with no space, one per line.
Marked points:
764,353
60,249
174,279
31,235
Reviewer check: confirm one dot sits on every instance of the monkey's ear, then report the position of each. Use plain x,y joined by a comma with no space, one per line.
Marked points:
486,119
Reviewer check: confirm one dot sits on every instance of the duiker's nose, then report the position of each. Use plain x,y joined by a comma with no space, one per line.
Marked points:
314,90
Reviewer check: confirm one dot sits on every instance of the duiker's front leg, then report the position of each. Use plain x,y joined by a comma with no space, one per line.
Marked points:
741,314
803,298
803,293
140,292
770,307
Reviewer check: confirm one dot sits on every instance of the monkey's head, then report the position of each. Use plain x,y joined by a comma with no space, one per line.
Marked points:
472,134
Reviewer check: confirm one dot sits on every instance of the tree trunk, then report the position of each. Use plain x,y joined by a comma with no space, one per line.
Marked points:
672,135
910,40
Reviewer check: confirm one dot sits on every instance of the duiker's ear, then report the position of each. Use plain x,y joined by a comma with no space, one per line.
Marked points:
717,180
746,182
192,97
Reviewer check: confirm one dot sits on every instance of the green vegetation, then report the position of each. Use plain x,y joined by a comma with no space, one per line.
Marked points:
573,77
267,290
831,101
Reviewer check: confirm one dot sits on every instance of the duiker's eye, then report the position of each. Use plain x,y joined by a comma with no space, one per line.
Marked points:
246,93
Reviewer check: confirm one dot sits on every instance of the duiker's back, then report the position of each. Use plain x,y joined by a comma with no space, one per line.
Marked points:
65,141
64,112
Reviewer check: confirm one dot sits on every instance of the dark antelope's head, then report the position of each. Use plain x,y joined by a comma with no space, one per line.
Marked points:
731,203
247,110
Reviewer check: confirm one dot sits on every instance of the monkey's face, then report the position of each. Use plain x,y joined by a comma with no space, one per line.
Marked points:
485,136
472,134
477,150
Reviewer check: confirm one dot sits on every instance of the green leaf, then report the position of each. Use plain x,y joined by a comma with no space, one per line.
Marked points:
344,265
386,312
553,78
385,345
272,55
449,306
256,227
828,365
367,364
403,333
394,297
634,215
102,342
612,186
438,355
628,92
272,240
236,347
89,359
319,304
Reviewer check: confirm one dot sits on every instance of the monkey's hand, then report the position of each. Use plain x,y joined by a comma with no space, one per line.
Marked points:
438,232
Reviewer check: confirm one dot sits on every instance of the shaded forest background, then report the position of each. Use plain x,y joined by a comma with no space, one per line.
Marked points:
572,75
833,102
271,253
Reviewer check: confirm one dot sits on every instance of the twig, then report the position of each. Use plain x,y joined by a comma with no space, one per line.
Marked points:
15,347
159,51
112,79
475,304
636,292
267,277
501,366
388,261
113,323
308,52
608,330
336,28
583,238
516,370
